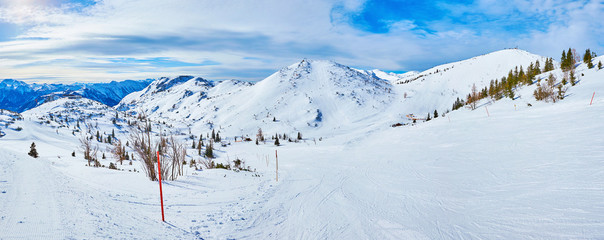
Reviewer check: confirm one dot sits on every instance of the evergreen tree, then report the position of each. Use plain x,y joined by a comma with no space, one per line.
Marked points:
213,135
210,150
560,92
199,147
218,137
103,156
549,65
428,118
277,142
599,64
98,136
435,113
193,144
587,57
564,82
570,56
572,78
458,104
73,154
563,60
299,136
32,150
113,133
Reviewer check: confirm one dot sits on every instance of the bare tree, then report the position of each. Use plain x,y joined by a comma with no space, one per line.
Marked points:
118,151
144,146
260,135
176,153
545,91
473,97
88,148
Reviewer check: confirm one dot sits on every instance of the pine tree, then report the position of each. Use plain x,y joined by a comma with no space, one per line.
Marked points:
563,60
277,142
73,154
435,113
213,135
587,57
32,150
210,150
299,136
549,65
193,144
570,56
599,64
199,147
428,118
103,156
572,78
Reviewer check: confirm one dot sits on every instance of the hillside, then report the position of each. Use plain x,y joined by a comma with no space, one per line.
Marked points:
305,96
437,88
526,169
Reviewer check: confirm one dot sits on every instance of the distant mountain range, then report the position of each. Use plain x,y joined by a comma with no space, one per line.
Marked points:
19,96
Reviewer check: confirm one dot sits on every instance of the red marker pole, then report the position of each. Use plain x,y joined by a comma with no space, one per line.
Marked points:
592,98
276,167
161,195
485,107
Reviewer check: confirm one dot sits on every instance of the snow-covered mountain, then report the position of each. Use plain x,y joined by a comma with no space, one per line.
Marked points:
19,96
316,95
437,88
304,96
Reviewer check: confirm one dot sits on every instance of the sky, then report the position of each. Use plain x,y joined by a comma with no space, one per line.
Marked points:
104,40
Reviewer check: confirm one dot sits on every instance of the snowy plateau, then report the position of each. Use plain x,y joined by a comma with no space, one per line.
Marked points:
509,169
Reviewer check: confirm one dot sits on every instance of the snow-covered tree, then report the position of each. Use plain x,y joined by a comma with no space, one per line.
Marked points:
32,150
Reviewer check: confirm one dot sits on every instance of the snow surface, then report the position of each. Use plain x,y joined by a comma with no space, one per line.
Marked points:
520,172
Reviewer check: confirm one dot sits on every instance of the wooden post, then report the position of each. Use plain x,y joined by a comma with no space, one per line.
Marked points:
276,167
161,195
485,107
592,98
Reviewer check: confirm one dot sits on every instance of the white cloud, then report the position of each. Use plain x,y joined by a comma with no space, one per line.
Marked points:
257,36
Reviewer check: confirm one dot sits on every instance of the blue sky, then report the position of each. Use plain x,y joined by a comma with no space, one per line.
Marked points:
104,40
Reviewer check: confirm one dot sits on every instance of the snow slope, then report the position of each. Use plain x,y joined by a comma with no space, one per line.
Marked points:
305,96
437,88
521,172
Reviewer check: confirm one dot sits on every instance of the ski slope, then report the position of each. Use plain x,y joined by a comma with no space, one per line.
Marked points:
520,172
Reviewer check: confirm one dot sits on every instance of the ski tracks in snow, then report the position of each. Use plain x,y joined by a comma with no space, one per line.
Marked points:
31,209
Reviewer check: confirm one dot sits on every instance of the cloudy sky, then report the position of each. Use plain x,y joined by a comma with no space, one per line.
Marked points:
102,40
